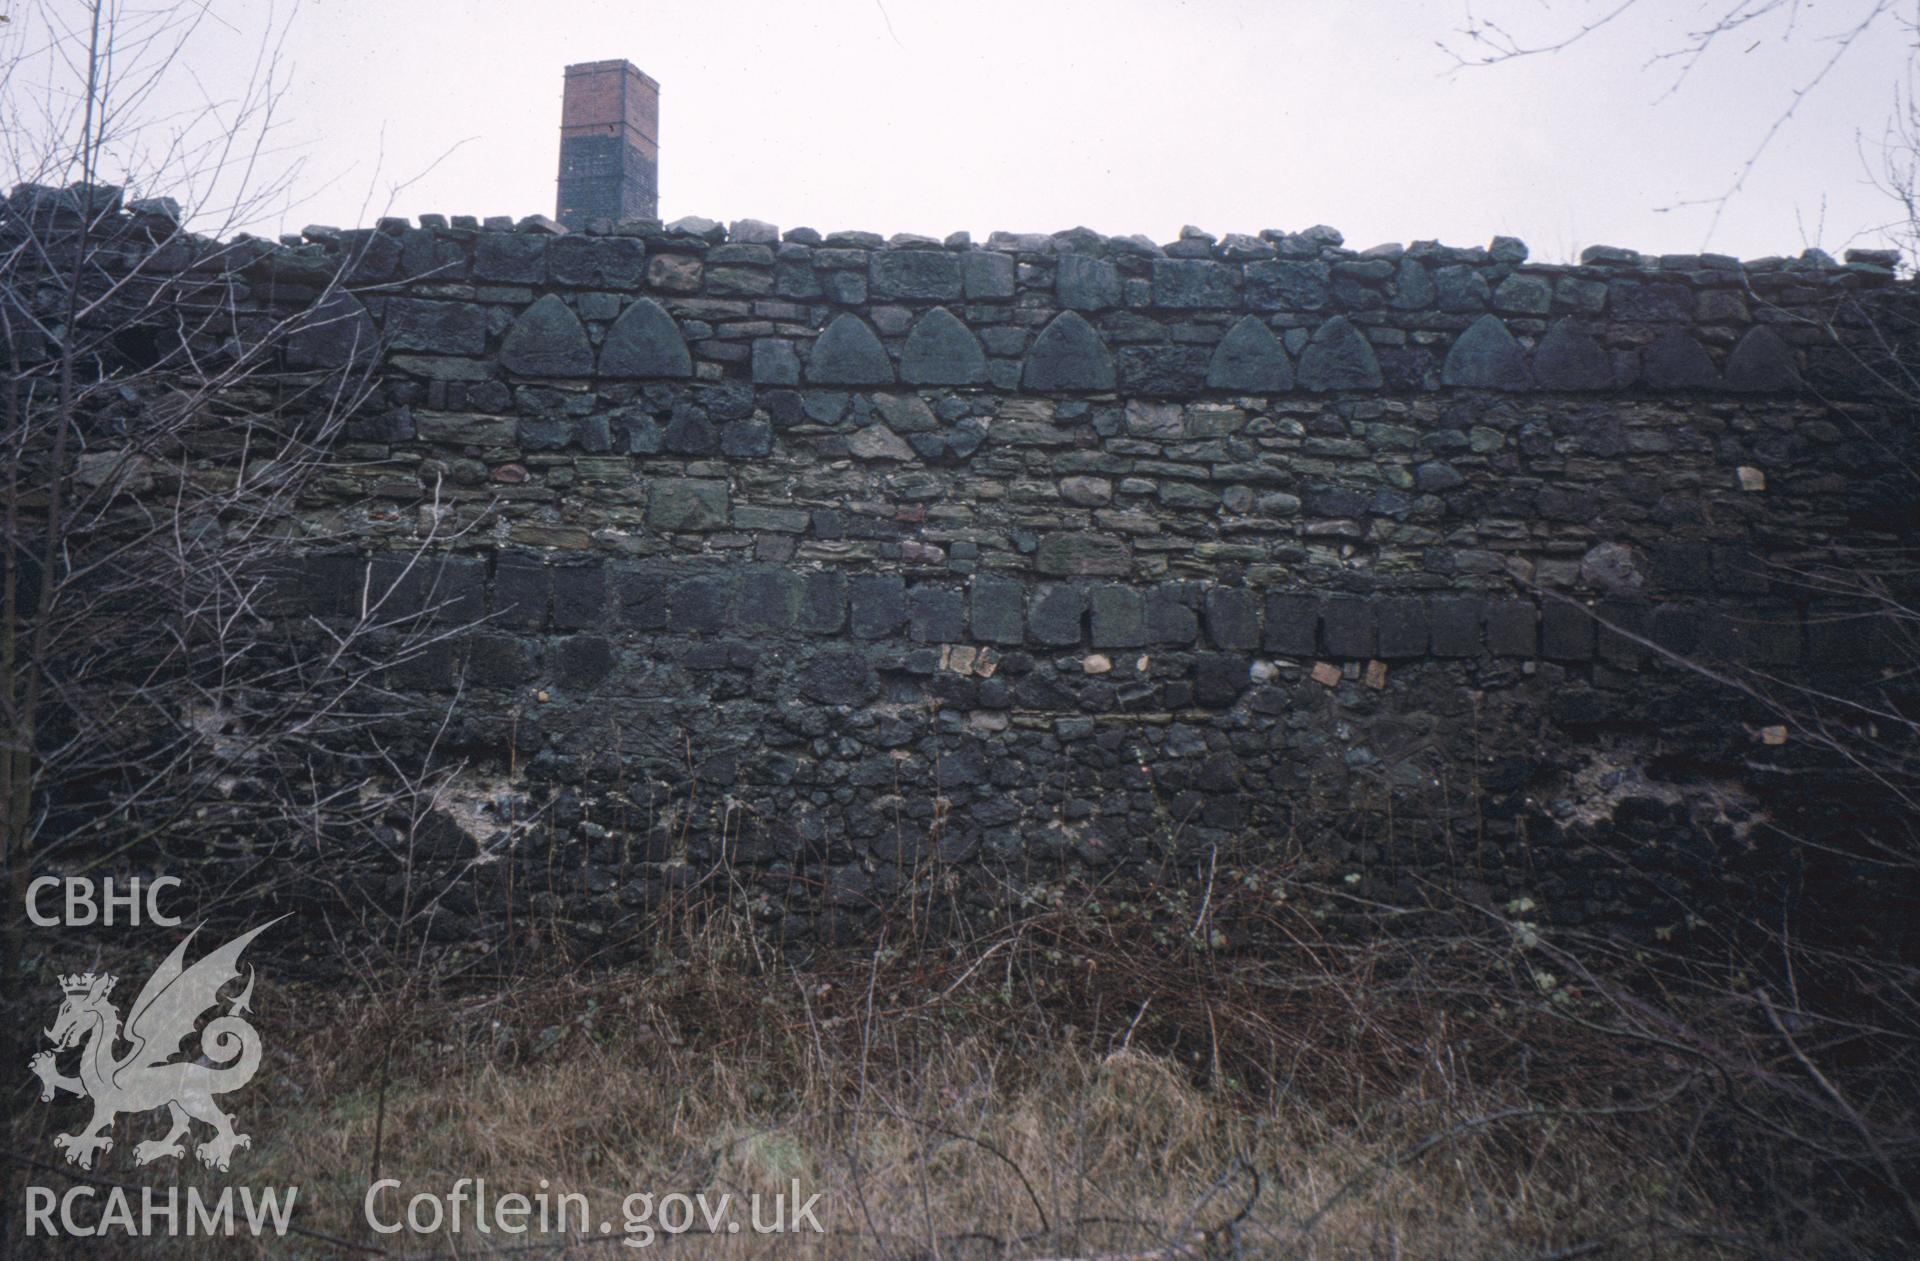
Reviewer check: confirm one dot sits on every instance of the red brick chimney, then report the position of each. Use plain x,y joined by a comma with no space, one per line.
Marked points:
609,144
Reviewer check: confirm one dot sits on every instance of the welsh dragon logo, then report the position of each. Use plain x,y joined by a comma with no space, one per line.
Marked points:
171,1004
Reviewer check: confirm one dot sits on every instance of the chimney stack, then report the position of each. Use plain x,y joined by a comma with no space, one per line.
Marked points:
609,144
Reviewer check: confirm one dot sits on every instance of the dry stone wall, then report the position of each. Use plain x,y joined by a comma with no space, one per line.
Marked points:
848,558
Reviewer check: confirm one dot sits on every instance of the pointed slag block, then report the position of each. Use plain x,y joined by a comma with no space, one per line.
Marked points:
1762,361
1068,355
1338,358
645,342
1568,359
849,353
547,340
942,351
1487,358
1249,359
1677,362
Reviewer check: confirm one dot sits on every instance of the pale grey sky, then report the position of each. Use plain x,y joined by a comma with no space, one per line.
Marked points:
1124,115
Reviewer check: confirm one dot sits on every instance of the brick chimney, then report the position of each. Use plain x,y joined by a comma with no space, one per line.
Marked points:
609,144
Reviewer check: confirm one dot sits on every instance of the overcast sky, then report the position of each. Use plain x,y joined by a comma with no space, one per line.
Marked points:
1123,115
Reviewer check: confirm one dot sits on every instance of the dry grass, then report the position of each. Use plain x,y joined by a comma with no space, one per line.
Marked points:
1089,1081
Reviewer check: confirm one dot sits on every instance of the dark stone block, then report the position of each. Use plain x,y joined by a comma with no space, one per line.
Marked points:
402,586
770,599
699,606
1055,613
1681,566
936,615
942,351
848,353
1287,285
1249,359
1659,300
593,435
1192,283
1409,369
645,342
774,363
1119,617
1160,371
544,435
1720,638
1770,636
1566,632
1338,358
1219,678
848,288
510,258
961,767
1762,362
711,654
583,661
597,262
640,598
1232,618
1461,289
1293,625
1412,286
1622,624
440,328
1170,615
1347,626
1334,501
499,661
997,610
988,275
1568,359
457,590
392,425
1455,625
335,582
522,587
743,438
824,407
1675,627
726,400
1402,626
639,435
1513,628
1567,503
1083,283
794,278
338,331
1486,357
373,259
1840,637
785,408
428,667
1741,570
838,678
878,603
1579,707
1082,553
1675,361
823,602
918,274
1068,355
687,503
579,595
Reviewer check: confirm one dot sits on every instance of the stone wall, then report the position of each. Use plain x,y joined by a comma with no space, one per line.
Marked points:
850,557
